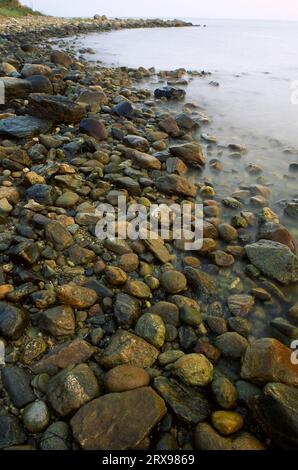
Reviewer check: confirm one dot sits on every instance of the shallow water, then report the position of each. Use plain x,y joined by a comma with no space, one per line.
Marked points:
255,63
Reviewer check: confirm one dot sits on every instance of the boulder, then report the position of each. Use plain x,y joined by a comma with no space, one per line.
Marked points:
190,153
176,185
56,108
170,93
13,321
24,126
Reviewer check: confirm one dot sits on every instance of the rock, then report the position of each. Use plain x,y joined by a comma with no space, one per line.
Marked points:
127,310
80,255
241,305
128,183
13,321
57,234
77,296
169,312
277,233
173,282
276,411
224,392
136,142
170,356
187,403
125,377
222,259
291,209
9,193
23,126
115,276
227,232
206,438
40,84
285,327
16,382
55,108
177,185
193,370
159,250
24,253
64,355
59,321
103,424
129,262
11,432
124,109
227,422
151,327
143,160
138,289
56,437
231,344
170,93
35,69
274,260
36,417
92,99
169,125
16,88
186,122
191,154
94,128
175,165
67,200
41,193
246,391
127,348
190,316
201,282
61,58
268,360
72,388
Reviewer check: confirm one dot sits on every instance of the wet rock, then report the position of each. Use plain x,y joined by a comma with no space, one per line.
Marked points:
143,160
187,403
11,432
40,84
201,282
227,232
64,355
277,233
169,125
127,348
177,185
94,128
129,262
124,109
175,165
275,260
77,296
24,253
185,121
246,391
55,108
23,126
231,344
268,360
206,438
56,437
222,259
138,289
103,425
224,392
59,321
190,316
61,58
276,412
17,384
136,142
41,193
81,256
193,370
168,311
159,250
291,209
16,88
227,422
72,388
125,377
127,310
57,234
170,93
241,305
115,276
35,69
191,154
151,327
36,417
173,282
13,321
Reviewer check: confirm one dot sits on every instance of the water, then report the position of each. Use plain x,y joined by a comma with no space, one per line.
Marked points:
255,63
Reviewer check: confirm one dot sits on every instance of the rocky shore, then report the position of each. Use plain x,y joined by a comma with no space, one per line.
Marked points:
122,344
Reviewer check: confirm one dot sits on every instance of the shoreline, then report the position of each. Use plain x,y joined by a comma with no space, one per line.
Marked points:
171,330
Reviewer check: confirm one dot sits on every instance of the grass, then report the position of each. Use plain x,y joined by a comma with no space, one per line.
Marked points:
15,9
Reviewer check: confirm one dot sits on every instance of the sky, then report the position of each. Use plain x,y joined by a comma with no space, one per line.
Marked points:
247,9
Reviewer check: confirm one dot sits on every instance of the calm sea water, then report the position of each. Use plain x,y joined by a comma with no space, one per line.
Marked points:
255,63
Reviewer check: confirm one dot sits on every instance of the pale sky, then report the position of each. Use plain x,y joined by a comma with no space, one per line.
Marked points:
255,9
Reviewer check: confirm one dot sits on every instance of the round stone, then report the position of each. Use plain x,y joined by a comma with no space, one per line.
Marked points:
129,262
36,417
115,276
224,392
67,200
227,422
227,232
173,282
125,377
190,316
193,369
152,328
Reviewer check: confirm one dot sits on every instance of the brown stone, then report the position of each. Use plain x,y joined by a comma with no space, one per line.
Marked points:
125,377
118,421
77,296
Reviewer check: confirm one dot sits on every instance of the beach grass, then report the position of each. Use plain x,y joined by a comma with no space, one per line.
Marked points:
14,8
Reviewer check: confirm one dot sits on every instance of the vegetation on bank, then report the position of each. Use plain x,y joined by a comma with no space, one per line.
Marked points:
15,9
